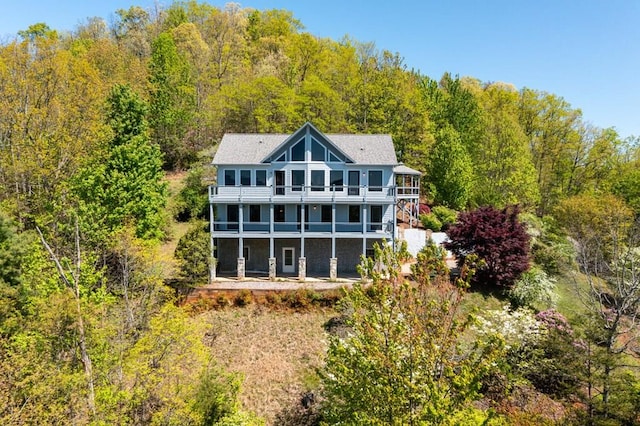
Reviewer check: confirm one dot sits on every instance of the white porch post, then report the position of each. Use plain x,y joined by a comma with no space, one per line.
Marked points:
241,262
212,259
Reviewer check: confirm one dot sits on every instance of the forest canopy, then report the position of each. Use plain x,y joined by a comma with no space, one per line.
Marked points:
205,71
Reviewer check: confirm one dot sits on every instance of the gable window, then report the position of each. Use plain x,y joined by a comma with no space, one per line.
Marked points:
261,178
375,180
278,213
254,213
317,151
297,180
354,214
317,180
336,179
333,158
245,177
325,213
282,158
297,151
229,178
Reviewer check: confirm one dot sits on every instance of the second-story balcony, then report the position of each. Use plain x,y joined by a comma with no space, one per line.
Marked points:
307,193
222,227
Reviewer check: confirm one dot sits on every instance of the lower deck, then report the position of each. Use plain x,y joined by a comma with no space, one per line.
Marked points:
314,255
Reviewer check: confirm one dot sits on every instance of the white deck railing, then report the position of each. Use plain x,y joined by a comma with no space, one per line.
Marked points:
306,192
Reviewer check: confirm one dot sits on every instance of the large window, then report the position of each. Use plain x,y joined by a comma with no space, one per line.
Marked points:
261,178
278,213
375,180
297,180
297,151
229,178
354,214
317,180
336,178
245,177
317,151
254,213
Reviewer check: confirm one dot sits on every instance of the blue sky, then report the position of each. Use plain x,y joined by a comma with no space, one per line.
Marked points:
586,51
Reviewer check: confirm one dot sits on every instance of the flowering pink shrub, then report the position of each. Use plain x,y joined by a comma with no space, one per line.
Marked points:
554,320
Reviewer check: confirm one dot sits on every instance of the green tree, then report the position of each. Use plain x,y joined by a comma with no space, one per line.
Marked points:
450,170
193,253
172,104
404,360
504,170
125,183
553,129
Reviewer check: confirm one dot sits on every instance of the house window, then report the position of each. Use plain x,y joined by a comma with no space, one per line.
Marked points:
375,218
317,151
354,182
279,177
333,158
375,180
336,178
297,151
232,216
278,213
245,177
229,178
297,180
282,158
325,214
254,213
261,178
354,214
317,180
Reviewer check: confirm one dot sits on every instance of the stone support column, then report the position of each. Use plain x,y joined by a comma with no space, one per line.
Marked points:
333,269
272,268
302,268
241,271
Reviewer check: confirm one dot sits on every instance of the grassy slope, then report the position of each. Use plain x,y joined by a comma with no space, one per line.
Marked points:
175,230
276,352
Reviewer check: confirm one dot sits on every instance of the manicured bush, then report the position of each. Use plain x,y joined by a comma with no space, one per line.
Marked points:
445,215
534,288
431,221
243,298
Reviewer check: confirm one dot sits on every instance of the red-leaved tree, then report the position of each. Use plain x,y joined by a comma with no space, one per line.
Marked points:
498,238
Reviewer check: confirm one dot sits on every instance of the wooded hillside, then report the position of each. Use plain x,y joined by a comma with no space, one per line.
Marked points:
92,119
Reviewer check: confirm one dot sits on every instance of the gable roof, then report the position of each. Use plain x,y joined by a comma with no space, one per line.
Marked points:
252,148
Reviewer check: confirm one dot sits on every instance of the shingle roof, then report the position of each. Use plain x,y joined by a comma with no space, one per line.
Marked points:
250,148
401,169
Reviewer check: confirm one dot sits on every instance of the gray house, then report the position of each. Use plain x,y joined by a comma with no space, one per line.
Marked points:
305,203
